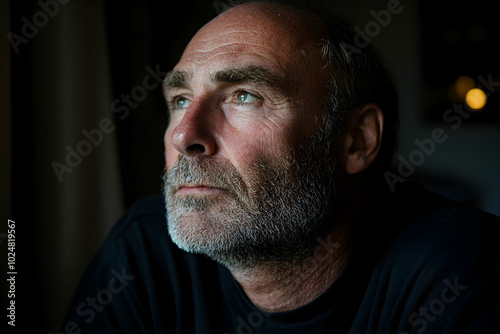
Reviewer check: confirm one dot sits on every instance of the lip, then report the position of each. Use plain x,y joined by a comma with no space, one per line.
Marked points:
198,189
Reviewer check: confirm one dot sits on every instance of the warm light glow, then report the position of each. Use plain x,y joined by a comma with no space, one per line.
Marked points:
475,98
463,85
460,87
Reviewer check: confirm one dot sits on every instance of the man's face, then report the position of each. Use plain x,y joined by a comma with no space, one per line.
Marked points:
250,169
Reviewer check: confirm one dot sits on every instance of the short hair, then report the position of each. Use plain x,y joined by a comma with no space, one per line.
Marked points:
357,77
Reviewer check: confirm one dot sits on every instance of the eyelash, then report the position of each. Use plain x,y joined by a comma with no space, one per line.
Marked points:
237,93
172,104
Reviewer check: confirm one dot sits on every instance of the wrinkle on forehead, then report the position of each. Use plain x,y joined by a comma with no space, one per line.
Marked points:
224,40
282,40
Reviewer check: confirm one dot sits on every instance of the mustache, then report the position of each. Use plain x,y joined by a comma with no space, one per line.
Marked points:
211,173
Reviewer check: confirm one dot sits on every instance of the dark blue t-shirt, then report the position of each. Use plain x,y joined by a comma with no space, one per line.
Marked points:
421,264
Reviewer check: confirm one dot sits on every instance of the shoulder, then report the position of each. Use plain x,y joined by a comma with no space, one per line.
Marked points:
420,228
143,275
441,268
137,241
444,230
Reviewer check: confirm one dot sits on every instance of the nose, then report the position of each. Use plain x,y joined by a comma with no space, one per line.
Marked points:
194,135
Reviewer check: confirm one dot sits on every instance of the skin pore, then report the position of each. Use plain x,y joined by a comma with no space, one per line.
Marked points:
246,112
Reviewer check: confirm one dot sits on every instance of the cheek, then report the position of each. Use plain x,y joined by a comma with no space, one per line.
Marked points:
255,142
278,135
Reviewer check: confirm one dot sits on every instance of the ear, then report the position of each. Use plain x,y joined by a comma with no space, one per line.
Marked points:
364,138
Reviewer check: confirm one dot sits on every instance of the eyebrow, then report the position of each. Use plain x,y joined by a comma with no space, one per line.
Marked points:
177,79
251,74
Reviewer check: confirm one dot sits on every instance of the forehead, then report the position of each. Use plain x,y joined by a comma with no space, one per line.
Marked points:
272,37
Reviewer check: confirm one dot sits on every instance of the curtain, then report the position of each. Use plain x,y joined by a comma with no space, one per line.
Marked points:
76,179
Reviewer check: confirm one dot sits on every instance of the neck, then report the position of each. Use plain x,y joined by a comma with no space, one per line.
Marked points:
279,287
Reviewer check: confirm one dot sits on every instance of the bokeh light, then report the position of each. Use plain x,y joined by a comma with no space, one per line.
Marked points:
476,99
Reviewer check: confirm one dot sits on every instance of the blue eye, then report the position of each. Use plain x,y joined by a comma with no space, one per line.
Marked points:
182,103
244,97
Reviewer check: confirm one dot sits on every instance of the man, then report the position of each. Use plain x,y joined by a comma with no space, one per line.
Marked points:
278,217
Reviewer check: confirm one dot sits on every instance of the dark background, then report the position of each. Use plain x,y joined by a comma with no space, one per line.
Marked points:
84,57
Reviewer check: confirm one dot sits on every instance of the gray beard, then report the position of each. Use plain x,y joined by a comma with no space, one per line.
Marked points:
276,217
